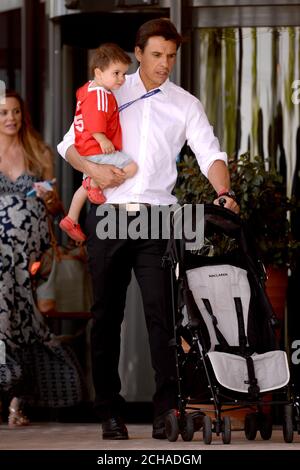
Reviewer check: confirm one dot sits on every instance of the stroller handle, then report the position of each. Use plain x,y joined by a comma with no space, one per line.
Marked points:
222,201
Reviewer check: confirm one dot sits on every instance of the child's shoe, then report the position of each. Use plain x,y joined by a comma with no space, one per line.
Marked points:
95,194
72,229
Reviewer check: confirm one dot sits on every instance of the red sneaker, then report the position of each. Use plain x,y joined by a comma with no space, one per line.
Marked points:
95,195
72,229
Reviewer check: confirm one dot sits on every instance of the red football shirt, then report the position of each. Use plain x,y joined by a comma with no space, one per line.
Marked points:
96,111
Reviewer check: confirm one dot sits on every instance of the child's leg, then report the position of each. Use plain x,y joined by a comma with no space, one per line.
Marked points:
69,224
130,170
78,201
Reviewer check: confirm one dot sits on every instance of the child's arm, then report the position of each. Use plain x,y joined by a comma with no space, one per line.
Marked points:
105,144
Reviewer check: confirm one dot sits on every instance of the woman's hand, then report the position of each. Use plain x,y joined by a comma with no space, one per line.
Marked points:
40,190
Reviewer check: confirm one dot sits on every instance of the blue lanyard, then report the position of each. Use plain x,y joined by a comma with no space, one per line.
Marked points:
146,95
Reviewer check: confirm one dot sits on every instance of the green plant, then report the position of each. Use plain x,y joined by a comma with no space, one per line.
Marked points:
263,202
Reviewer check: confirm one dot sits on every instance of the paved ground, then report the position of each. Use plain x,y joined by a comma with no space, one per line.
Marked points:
67,436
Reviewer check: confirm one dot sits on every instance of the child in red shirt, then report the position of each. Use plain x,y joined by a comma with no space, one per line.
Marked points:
98,134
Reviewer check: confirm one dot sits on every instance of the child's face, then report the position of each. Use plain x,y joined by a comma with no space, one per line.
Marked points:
113,77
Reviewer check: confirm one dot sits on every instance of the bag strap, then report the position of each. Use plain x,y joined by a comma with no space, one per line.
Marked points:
146,95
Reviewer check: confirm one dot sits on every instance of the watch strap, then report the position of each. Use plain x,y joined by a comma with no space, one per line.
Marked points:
225,192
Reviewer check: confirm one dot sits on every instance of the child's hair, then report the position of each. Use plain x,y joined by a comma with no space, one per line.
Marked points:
106,54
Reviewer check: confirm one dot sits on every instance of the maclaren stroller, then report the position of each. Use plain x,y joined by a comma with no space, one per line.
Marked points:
221,311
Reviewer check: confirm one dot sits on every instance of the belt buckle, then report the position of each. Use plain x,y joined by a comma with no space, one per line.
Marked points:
132,206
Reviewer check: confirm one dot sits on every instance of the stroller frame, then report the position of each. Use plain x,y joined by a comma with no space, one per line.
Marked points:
179,421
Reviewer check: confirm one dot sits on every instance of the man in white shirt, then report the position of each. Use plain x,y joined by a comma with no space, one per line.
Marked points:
155,129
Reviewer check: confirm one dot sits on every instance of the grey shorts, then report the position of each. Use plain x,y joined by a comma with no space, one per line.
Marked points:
119,159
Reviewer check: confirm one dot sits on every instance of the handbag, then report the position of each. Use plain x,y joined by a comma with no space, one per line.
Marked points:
63,282
53,203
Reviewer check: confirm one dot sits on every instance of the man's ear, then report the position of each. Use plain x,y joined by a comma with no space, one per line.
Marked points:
138,53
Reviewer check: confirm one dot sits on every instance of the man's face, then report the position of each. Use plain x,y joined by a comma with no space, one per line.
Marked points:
156,61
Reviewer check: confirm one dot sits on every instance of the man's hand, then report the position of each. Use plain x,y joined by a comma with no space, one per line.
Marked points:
107,176
231,204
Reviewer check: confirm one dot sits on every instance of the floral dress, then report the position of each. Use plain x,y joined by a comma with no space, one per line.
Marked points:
43,375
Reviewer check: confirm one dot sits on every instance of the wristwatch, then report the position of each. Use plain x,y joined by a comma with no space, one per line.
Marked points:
230,193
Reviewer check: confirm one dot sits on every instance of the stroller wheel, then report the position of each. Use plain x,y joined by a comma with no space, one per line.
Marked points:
207,430
187,432
226,430
265,426
172,427
287,425
251,426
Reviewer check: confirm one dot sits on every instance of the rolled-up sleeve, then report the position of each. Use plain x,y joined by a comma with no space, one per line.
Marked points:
67,141
201,138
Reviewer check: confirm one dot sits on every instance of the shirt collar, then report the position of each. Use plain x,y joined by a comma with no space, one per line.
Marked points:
92,87
137,81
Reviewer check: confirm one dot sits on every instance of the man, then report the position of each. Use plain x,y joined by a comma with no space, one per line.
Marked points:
154,130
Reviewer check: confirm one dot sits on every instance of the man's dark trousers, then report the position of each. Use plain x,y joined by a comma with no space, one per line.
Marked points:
111,262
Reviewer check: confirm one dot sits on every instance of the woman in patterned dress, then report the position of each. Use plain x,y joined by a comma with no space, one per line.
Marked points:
34,367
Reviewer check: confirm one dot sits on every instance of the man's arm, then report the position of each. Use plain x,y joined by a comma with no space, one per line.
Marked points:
105,176
212,162
218,176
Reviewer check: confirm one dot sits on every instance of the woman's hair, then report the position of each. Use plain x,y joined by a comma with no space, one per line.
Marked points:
38,155
107,54
159,27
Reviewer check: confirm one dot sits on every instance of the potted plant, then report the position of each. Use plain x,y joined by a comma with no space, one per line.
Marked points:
265,207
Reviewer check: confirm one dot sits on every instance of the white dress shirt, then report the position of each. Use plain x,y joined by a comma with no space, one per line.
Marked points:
154,132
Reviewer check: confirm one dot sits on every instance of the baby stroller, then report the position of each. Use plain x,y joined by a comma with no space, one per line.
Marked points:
222,313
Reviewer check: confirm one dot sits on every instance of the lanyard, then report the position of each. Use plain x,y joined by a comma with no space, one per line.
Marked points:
146,95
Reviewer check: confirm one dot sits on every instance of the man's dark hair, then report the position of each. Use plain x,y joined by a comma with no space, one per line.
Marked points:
159,27
106,54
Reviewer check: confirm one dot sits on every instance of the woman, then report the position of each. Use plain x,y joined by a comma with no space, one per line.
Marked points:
38,369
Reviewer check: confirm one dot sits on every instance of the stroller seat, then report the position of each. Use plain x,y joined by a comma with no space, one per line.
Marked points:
271,370
222,294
